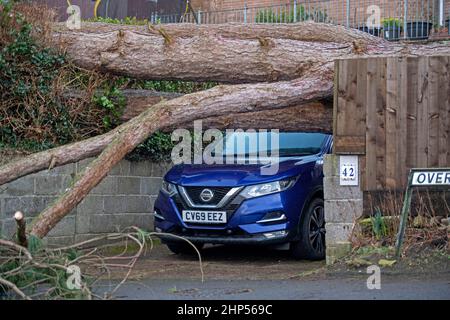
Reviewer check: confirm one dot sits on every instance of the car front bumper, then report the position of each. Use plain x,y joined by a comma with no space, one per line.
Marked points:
257,239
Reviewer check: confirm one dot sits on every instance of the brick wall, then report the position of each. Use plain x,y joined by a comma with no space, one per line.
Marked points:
336,9
124,198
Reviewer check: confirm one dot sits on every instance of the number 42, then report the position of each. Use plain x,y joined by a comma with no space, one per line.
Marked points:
348,172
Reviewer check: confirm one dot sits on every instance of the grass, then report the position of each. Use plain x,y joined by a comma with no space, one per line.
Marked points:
425,227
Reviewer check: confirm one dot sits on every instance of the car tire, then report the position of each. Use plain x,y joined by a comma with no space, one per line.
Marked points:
184,248
311,245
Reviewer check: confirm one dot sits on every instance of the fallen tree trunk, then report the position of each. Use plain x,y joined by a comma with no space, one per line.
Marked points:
224,53
205,104
229,53
313,117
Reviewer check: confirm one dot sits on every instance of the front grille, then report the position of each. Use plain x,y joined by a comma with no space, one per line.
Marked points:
194,194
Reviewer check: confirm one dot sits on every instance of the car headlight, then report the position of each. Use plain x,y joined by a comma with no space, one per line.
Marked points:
168,188
262,189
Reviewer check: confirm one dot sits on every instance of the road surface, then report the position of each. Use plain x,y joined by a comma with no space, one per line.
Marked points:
263,274
336,289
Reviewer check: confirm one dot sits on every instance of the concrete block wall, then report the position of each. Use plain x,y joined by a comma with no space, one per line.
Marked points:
343,205
124,198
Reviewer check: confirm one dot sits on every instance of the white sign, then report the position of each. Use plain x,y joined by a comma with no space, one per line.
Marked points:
348,171
432,177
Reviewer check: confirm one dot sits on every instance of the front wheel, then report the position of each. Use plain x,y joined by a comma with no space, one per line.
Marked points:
184,247
312,233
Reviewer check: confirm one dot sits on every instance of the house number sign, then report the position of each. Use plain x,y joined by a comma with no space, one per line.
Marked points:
348,171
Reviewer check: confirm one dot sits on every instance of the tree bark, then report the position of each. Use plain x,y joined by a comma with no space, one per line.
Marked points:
228,53
310,117
21,229
206,104
313,117
223,53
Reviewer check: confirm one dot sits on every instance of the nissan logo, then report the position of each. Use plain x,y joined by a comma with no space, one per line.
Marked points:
206,195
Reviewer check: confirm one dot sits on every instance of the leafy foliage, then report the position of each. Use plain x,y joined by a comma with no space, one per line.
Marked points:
284,15
36,114
379,227
113,101
27,75
126,20
33,275
392,23
71,272
172,86
157,148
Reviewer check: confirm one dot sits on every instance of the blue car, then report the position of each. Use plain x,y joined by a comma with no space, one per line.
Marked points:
240,204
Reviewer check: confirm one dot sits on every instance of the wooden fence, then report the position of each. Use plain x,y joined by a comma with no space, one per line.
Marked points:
395,113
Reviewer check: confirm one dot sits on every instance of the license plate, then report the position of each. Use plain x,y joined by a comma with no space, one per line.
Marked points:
195,216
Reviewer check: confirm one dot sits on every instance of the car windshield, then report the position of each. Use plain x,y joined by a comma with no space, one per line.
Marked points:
282,144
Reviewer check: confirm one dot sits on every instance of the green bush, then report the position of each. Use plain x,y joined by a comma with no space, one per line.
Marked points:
392,23
283,15
28,73
156,148
113,101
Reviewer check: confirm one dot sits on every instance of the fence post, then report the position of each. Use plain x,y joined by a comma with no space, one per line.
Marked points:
405,17
199,16
404,217
295,10
348,13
